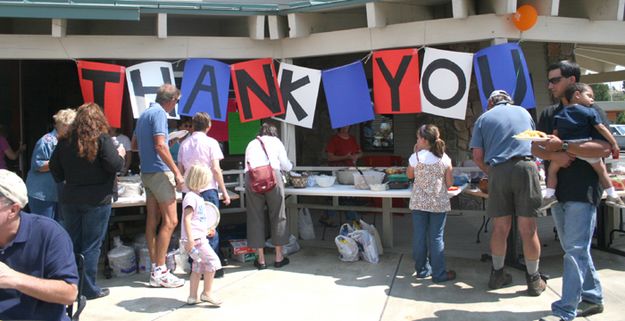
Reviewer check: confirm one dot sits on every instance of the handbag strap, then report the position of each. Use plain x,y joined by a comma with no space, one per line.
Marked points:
263,146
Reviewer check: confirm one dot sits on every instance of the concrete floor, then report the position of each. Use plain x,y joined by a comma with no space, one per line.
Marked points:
317,286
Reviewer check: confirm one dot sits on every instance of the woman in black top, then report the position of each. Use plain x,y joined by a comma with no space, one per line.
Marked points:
87,161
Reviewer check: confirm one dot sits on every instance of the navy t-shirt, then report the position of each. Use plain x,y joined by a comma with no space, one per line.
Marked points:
576,122
43,249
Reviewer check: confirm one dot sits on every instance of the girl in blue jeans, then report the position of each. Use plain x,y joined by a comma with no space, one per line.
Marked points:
432,172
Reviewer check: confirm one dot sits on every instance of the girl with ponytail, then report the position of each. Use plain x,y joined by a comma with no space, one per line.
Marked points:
432,172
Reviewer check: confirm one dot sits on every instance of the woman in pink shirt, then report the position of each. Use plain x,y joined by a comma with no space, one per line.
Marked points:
6,150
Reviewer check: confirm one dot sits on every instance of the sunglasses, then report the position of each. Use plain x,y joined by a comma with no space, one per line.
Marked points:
555,80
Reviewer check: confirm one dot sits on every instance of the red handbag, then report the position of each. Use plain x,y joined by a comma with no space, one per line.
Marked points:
262,178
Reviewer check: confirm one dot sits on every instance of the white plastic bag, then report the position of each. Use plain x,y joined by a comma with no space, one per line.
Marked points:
374,232
348,249
346,229
305,225
287,249
368,250
122,259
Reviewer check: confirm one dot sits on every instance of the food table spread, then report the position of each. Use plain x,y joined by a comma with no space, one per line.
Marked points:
337,190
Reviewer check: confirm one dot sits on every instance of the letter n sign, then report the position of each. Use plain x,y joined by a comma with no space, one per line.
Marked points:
504,67
256,89
396,81
103,84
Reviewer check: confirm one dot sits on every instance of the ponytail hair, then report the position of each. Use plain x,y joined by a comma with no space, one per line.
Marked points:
432,135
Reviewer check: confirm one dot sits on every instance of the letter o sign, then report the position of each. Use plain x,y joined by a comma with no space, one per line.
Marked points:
425,83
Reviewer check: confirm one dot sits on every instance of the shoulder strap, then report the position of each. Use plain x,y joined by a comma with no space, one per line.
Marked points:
263,146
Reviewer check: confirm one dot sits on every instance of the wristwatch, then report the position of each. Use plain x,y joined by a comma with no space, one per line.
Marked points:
565,146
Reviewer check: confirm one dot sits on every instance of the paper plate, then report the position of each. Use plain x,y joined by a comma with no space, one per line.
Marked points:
212,215
531,139
178,134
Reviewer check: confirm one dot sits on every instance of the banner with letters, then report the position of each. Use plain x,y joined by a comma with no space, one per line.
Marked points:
396,81
103,84
256,88
205,88
144,79
503,67
299,87
445,79
347,93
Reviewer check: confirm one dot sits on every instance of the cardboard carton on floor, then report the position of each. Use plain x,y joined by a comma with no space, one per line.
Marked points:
240,252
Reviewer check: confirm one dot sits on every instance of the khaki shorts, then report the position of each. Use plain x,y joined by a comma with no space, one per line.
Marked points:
161,186
514,189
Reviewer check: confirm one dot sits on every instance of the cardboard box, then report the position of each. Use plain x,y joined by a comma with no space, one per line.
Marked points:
240,247
246,257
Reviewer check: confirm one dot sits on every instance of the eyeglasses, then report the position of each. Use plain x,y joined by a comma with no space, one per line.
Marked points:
555,80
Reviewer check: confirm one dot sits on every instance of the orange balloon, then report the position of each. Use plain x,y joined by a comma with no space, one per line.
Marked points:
525,17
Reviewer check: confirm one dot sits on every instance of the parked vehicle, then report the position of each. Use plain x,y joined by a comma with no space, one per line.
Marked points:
618,131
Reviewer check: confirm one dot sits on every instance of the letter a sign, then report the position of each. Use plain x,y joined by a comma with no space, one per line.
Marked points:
396,81
256,89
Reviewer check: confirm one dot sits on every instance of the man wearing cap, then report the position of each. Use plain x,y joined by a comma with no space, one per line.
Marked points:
38,275
513,185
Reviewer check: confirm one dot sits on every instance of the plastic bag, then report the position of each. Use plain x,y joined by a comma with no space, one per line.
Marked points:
369,251
348,249
346,229
374,232
305,225
287,249
122,259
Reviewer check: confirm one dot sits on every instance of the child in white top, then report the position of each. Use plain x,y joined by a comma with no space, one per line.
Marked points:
431,169
194,230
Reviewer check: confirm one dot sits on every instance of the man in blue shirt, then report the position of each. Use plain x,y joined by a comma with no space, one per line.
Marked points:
513,186
38,275
161,178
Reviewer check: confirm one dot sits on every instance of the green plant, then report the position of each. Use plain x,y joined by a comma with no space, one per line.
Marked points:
620,118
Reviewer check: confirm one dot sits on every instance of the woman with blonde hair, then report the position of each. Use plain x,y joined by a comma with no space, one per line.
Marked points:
87,161
42,190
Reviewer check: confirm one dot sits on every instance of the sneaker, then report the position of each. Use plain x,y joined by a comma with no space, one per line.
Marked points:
499,279
615,201
548,202
167,280
535,284
449,276
551,318
585,308
192,301
211,299
154,281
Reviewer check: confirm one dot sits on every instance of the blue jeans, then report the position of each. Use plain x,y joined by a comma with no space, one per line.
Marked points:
212,196
575,222
87,226
428,244
43,208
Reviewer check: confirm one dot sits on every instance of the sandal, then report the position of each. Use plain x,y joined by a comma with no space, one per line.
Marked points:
260,266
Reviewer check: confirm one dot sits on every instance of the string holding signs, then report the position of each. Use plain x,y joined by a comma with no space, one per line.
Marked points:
299,87
445,79
103,84
504,67
347,94
144,79
256,89
396,81
205,88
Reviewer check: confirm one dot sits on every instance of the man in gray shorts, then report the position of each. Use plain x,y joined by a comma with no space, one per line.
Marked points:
513,185
161,178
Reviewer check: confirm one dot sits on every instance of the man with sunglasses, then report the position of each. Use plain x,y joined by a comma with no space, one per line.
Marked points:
578,193
161,177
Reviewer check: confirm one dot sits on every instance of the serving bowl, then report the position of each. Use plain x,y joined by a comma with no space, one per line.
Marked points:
378,187
299,181
346,176
325,181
